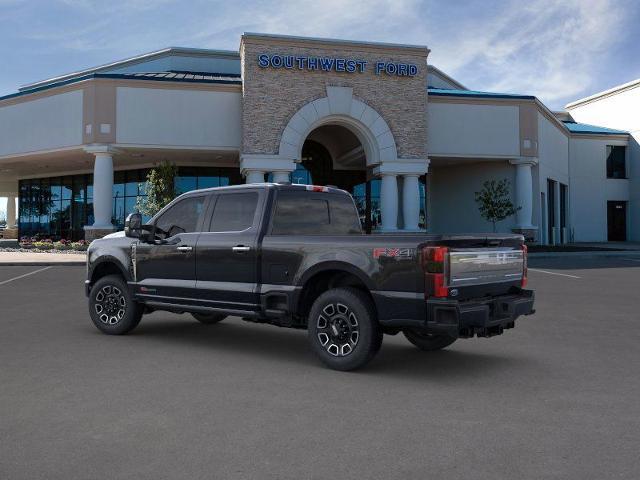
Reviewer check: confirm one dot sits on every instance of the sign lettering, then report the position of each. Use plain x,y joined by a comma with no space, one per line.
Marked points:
332,64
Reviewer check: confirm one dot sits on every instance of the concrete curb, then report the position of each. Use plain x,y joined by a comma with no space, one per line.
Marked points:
617,253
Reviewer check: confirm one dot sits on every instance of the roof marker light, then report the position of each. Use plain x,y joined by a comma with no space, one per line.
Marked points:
316,188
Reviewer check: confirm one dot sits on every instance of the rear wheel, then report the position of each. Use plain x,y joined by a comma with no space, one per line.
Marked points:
209,318
343,329
428,341
112,308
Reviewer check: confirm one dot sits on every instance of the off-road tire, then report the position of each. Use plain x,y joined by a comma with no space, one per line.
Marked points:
112,308
427,341
209,318
357,336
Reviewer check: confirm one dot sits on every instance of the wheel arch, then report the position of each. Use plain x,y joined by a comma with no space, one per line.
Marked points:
327,275
108,265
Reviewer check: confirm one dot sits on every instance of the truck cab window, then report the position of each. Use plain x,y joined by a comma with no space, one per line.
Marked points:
234,212
314,214
182,217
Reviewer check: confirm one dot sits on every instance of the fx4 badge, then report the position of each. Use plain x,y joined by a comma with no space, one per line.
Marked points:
393,252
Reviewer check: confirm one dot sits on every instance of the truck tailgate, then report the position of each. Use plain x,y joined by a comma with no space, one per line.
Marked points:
480,266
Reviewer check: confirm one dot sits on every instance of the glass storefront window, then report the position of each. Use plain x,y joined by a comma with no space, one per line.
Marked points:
60,207
185,184
67,189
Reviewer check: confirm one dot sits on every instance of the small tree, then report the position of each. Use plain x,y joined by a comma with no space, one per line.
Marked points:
160,189
494,201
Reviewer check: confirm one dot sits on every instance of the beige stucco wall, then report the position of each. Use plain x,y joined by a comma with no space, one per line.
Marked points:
473,129
451,196
178,117
272,96
590,189
45,123
619,110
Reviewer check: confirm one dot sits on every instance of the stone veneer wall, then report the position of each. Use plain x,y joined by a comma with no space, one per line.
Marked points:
272,96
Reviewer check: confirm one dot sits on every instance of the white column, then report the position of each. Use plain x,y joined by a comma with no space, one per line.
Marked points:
11,212
524,192
389,202
410,202
281,176
103,190
255,176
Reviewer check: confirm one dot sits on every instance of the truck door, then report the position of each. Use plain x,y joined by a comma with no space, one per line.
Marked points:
166,272
227,251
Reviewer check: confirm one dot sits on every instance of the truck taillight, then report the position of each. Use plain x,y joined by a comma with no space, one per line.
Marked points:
525,251
434,266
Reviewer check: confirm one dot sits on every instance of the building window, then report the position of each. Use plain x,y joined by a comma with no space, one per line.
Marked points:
616,161
59,207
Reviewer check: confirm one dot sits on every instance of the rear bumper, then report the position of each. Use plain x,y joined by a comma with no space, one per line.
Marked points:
481,317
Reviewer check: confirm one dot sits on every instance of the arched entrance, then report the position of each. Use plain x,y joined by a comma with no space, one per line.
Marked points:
340,140
333,155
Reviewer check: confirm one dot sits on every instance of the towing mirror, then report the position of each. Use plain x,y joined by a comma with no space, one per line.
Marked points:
133,225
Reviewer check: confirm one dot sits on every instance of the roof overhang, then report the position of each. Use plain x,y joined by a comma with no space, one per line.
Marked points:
606,93
145,57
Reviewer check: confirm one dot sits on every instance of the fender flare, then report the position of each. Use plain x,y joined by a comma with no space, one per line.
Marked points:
335,265
104,259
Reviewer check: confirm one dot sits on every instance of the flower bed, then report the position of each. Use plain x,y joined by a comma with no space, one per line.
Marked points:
48,244
38,245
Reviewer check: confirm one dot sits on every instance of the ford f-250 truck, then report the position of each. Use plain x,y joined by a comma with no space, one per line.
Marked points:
295,256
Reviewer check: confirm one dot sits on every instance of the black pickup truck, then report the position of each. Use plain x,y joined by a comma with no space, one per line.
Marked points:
295,256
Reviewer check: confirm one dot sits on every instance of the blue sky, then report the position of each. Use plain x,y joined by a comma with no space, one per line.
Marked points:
556,50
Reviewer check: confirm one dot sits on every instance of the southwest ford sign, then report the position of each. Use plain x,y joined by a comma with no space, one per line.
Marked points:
333,64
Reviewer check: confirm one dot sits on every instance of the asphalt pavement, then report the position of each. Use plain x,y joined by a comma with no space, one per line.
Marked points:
556,397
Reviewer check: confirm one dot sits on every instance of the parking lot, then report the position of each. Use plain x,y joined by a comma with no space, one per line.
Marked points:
557,397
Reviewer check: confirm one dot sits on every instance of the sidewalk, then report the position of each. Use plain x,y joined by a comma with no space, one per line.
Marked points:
613,249
40,259
616,245
593,253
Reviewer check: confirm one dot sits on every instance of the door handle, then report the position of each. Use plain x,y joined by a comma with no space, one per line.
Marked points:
240,249
184,249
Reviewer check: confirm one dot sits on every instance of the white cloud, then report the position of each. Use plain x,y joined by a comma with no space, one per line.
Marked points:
546,48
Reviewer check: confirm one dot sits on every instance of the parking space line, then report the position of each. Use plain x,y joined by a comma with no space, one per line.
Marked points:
25,275
553,273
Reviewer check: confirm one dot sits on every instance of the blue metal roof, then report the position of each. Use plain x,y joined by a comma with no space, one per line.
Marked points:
444,92
575,127
188,77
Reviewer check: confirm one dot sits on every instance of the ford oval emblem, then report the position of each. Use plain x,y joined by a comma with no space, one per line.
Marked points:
453,292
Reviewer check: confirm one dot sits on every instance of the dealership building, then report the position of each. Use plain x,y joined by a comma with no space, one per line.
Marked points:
411,144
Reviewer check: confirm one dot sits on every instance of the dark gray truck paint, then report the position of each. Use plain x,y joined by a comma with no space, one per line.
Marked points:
263,276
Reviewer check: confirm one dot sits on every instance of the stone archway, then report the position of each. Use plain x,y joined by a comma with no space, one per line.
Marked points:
339,107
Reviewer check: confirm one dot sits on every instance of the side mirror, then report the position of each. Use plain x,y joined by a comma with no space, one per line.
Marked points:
133,225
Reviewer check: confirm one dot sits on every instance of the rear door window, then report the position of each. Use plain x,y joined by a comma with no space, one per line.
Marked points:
234,212
310,213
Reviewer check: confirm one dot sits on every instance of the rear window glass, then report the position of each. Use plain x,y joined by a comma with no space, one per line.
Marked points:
234,212
309,213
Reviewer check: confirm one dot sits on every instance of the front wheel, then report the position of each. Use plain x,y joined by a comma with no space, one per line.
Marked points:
343,329
112,308
428,341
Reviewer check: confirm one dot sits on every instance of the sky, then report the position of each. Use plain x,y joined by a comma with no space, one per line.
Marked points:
557,50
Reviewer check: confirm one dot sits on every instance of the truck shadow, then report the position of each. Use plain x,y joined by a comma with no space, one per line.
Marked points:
268,343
